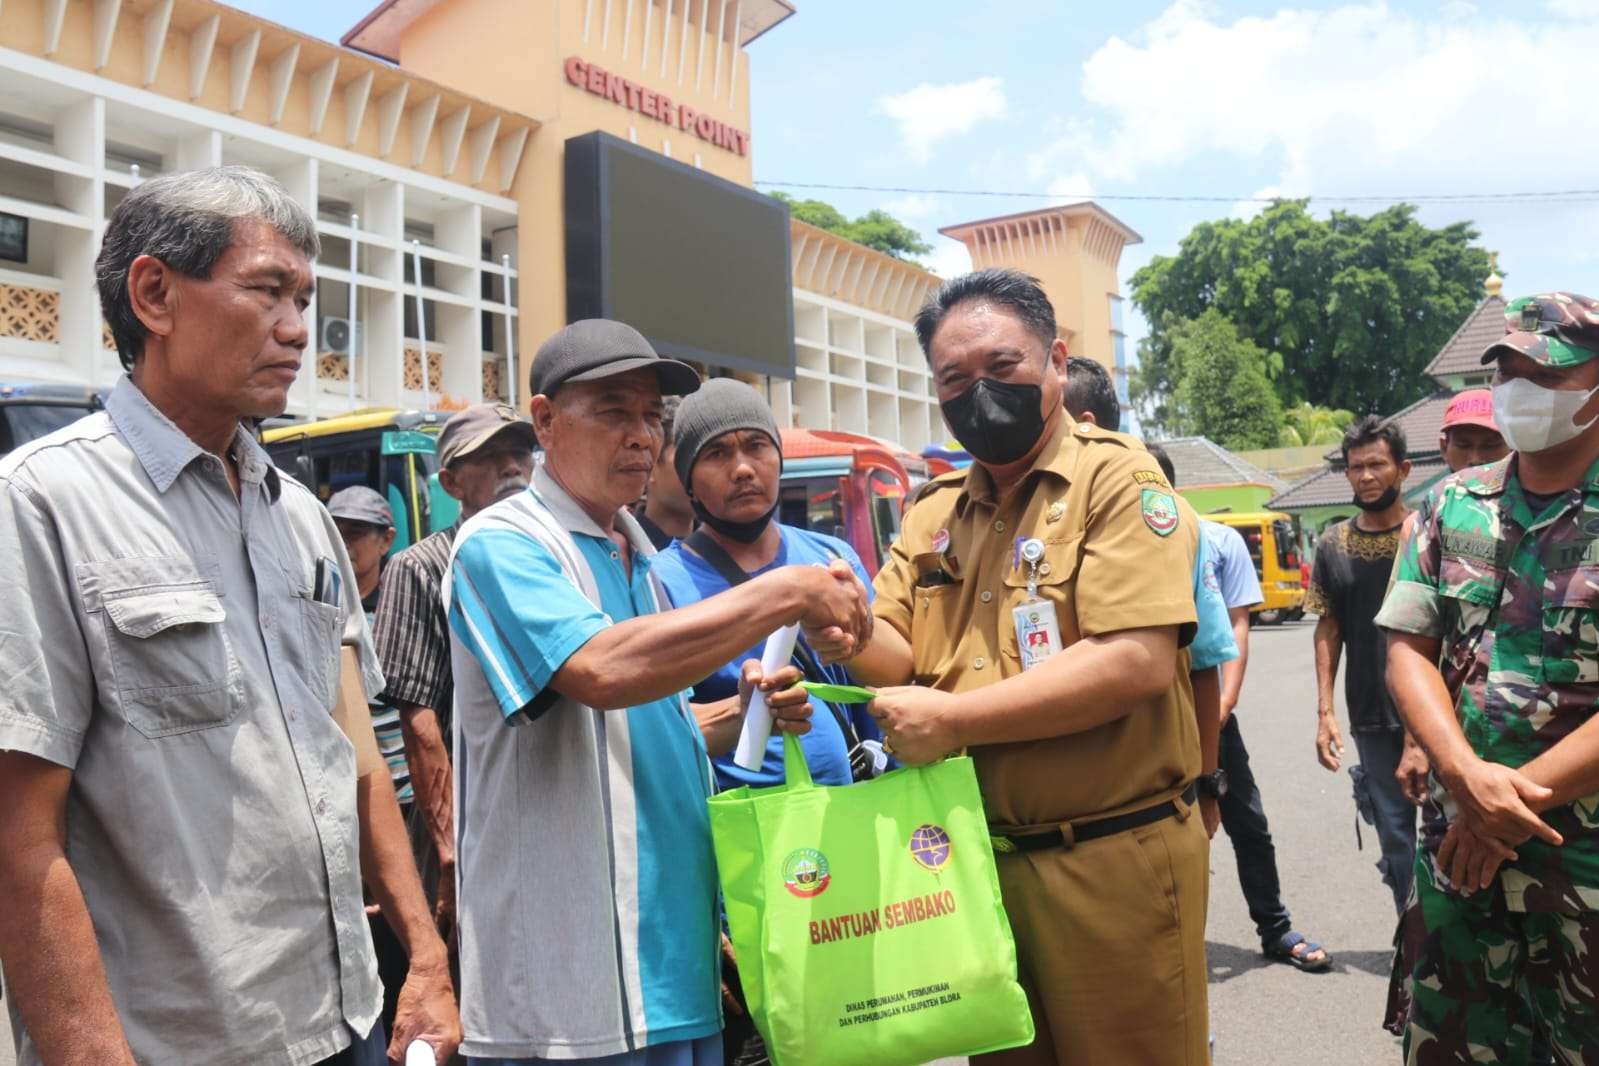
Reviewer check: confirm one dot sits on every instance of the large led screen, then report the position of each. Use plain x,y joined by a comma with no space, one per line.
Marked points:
697,264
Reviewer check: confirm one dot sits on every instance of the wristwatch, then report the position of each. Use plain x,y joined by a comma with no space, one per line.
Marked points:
1212,785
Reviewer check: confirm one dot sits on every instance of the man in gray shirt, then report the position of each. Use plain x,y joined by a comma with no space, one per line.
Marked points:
183,831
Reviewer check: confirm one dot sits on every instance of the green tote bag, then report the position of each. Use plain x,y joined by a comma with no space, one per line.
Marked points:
866,918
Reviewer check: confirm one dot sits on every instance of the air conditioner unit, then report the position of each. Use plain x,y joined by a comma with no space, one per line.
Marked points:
339,335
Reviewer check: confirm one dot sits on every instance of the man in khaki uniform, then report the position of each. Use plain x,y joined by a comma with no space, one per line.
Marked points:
1088,755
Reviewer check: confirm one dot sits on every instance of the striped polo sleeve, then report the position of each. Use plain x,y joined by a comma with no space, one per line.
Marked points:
517,612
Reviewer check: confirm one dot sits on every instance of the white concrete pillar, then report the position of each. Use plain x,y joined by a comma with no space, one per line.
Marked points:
80,136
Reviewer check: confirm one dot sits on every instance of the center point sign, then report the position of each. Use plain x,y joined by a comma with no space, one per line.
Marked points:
659,106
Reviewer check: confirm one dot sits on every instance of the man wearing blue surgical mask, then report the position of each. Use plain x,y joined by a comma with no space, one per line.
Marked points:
1500,583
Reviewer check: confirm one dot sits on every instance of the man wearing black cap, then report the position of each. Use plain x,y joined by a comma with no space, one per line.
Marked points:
588,918
485,455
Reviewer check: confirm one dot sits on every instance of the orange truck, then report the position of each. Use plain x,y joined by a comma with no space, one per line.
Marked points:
850,486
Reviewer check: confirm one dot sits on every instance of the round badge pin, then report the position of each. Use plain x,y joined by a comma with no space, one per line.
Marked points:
941,541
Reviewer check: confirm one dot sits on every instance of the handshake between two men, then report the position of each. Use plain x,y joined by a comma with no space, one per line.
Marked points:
834,610
655,656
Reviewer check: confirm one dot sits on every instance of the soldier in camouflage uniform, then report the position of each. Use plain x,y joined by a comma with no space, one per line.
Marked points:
1502,578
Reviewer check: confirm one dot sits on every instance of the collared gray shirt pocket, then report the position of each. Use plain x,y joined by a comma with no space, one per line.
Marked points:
172,668
319,650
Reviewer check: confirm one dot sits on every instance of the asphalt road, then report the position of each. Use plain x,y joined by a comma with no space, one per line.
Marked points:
1265,1013
1261,1012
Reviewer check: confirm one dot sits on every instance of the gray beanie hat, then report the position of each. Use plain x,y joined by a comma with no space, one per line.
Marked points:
719,406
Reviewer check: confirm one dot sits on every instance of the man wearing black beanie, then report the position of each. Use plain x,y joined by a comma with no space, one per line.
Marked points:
729,456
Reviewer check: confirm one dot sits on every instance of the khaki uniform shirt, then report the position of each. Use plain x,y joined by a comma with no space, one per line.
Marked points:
164,639
1118,554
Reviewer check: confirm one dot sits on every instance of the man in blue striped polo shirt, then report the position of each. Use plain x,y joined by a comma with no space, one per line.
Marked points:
587,886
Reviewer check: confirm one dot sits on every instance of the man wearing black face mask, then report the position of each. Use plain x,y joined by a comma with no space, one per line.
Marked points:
729,458
1041,600
1353,561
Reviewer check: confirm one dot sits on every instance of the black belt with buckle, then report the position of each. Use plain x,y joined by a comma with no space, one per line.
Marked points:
1074,833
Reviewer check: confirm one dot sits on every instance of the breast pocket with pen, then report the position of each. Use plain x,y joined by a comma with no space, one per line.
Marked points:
321,607
936,614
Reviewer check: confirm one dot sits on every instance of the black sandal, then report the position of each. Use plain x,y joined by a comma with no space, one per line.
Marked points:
1283,951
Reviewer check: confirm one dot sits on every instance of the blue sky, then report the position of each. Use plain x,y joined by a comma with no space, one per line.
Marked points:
1225,100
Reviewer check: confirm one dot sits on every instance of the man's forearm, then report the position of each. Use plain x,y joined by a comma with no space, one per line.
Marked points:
1232,672
1207,716
655,656
886,659
1569,769
1329,646
1095,681
432,779
1423,701
720,723
52,963
390,871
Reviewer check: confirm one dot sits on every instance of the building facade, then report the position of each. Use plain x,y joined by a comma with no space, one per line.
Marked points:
1075,252
435,173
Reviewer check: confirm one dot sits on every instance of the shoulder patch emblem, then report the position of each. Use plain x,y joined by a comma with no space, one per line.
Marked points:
1160,511
1150,477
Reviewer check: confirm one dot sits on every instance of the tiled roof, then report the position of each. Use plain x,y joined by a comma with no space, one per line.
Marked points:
1462,353
1328,487
1203,462
1421,421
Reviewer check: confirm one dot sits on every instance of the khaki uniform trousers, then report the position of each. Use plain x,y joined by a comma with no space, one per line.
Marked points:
1110,941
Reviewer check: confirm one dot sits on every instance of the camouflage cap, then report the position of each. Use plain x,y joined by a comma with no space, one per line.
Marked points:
1558,329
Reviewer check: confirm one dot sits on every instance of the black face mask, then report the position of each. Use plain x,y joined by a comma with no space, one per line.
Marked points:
996,421
743,532
1381,503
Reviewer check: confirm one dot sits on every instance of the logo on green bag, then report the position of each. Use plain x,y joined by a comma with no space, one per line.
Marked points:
931,847
805,873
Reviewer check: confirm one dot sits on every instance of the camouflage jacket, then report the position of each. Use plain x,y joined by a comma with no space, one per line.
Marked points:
1514,598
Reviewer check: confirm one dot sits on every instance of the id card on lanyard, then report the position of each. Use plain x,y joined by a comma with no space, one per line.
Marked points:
1037,627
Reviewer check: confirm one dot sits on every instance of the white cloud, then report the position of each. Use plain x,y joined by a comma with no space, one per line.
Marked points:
915,205
930,113
1355,95
1071,188
1361,99
948,258
1574,9
1244,210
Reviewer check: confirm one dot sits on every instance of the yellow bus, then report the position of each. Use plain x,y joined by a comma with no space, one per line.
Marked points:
386,449
1273,539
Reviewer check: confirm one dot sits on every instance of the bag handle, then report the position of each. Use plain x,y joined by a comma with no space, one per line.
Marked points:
796,772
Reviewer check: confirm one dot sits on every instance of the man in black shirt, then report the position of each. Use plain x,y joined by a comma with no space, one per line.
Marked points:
1353,561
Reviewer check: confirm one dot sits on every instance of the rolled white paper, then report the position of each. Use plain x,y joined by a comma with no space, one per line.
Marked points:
751,750
420,1053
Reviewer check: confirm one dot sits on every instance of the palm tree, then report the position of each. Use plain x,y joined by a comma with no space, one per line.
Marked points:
1307,423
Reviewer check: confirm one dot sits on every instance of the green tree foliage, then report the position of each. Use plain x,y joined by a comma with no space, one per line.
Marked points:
1222,390
1351,308
876,229
1305,423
